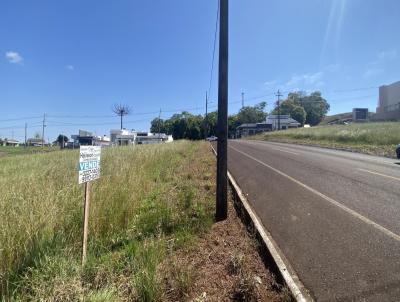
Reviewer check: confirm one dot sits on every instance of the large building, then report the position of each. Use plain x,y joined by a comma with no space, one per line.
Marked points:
389,102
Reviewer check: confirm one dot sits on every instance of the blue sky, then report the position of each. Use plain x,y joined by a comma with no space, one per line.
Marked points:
70,59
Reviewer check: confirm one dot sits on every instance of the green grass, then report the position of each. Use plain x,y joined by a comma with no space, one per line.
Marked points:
371,138
11,151
149,202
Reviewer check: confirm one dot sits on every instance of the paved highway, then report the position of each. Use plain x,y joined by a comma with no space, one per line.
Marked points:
335,215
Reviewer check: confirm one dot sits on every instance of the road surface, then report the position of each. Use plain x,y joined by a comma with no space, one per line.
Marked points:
334,214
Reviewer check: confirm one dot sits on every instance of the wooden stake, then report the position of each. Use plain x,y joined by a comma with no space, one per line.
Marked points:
85,222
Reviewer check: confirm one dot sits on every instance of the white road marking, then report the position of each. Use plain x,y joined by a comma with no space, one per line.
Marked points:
332,201
285,151
376,173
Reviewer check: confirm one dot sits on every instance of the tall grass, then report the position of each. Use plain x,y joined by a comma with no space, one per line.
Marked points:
146,198
377,138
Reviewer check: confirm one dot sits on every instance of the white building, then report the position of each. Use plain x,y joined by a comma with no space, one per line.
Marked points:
282,121
124,137
389,102
86,138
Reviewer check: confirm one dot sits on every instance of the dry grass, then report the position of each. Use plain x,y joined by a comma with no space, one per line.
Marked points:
370,138
151,236
146,204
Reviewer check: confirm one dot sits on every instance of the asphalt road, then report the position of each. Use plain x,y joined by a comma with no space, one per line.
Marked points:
334,214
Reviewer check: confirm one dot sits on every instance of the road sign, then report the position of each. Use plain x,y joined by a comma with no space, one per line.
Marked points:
89,163
89,169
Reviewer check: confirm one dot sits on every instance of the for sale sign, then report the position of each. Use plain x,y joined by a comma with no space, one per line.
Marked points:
89,163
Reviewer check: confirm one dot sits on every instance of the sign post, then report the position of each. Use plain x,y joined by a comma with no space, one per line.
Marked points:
89,170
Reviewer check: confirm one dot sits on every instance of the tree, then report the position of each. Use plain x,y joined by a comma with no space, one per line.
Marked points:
309,109
181,125
157,126
61,140
211,118
292,107
121,110
233,123
253,114
299,114
315,106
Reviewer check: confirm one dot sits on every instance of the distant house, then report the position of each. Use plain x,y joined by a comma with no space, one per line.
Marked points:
282,121
9,142
152,138
252,128
86,138
34,142
122,137
126,137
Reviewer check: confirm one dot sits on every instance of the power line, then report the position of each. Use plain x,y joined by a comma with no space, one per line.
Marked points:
213,54
354,89
20,118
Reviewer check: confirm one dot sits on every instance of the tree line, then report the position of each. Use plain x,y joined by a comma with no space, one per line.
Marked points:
304,108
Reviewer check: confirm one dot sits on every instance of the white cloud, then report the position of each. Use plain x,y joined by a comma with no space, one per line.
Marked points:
333,68
372,71
307,79
270,84
70,67
377,66
14,57
387,55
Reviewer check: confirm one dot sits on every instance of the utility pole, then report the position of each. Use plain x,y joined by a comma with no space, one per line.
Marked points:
278,94
43,125
159,124
206,118
26,126
242,100
222,142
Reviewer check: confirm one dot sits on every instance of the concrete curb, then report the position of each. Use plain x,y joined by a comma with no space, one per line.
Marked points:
299,292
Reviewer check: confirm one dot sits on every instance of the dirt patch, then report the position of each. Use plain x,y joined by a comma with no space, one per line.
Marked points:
224,266
2,154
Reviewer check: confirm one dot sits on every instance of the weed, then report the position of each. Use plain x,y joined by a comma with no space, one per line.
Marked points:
372,138
142,201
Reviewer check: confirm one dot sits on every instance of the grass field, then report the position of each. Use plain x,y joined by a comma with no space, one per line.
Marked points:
10,151
371,138
149,202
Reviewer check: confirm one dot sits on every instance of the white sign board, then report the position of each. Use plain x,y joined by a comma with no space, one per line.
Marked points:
89,163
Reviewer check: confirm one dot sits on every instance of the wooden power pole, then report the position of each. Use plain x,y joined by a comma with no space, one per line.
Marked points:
43,125
26,126
222,143
206,118
279,109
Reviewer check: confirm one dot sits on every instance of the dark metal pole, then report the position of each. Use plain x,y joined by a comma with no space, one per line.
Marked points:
222,145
